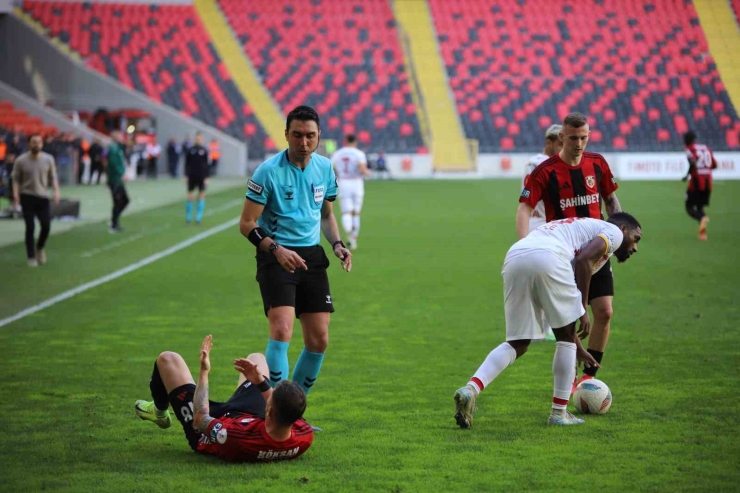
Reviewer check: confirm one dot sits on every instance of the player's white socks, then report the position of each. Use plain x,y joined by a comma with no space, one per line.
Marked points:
496,362
356,225
564,369
347,222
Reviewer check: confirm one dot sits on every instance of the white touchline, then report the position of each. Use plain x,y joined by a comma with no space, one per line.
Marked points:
138,236
119,273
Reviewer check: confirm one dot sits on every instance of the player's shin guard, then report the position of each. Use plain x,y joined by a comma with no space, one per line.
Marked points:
347,222
159,392
564,370
496,362
276,355
188,211
307,369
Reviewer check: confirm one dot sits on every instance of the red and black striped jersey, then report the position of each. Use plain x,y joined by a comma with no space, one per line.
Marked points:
704,162
570,191
243,438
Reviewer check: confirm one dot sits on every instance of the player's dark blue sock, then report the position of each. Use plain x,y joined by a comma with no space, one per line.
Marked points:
307,368
188,211
597,356
159,392
201,208
276,355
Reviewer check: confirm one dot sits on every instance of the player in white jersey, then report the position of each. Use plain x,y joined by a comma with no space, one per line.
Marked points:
538,278
553,145
350,166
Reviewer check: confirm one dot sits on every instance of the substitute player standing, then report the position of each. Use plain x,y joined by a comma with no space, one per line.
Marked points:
350,166
196,176
573,183
701,163
288,205
539,280
553,145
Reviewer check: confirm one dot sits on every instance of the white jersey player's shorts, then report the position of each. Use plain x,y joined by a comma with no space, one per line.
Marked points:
351,194
539,287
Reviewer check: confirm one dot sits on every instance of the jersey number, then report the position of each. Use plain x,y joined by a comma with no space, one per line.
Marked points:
187,412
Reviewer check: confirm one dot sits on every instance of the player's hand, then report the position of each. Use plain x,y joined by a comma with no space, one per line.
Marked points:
206,181
588,360
345,256
585,326
685,178
290,260
205,354
249,370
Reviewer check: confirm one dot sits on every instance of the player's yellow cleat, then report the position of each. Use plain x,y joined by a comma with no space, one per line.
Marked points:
146,410
703,228
464,407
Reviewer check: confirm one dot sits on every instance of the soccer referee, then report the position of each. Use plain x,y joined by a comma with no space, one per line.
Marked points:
289,199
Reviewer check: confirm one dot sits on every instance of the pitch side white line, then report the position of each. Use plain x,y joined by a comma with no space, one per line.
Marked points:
119,273
148,232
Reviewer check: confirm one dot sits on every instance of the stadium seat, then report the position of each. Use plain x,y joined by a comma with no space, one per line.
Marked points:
17,120
348,65
625,68
162,51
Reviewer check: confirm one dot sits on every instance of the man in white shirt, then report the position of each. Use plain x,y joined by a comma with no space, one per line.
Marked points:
350,166
539,280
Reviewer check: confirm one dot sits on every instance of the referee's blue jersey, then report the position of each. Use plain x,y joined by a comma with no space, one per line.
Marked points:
292,198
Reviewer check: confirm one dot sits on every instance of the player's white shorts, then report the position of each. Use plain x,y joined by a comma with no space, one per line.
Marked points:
539,287
351,194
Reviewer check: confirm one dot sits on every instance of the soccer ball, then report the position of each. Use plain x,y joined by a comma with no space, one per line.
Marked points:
592,397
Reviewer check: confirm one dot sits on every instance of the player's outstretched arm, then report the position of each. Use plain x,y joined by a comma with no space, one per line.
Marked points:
583,266
331,232
612,204
523,213
201,409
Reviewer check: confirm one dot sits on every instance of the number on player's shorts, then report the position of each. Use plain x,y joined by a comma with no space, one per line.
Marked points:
187,412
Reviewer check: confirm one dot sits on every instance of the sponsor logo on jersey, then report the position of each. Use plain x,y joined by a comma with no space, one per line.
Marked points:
255,187
590,181
579,200
214,432
271,454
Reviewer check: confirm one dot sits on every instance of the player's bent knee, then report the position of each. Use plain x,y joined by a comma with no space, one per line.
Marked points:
603,312
168,358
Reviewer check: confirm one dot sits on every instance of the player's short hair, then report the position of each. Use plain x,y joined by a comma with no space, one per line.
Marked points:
30,137
689,137
575,120
350,138
553,131
288,402
303,114
623,218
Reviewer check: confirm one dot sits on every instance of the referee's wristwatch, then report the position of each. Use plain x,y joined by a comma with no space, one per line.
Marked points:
273,247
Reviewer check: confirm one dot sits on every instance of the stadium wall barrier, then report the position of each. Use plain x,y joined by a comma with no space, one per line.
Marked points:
34,65
625,166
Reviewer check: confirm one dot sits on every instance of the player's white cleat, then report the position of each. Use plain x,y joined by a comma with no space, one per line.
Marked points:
464,407
564,419
352,243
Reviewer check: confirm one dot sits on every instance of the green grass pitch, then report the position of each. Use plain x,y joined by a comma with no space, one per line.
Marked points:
421,309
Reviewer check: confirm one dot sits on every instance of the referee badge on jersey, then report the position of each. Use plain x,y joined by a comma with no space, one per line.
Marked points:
318,194
590,181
